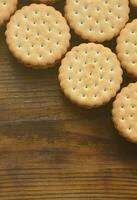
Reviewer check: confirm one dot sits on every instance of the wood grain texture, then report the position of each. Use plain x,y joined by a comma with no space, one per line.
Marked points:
51,149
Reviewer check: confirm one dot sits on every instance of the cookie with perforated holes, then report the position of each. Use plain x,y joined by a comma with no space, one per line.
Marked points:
127,48
134,2
45,1
124,113
97,20
38,35
7,7
90,75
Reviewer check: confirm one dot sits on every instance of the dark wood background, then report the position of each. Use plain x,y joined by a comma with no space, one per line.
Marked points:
49,148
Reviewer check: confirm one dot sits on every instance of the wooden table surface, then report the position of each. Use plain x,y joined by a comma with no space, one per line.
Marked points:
51,149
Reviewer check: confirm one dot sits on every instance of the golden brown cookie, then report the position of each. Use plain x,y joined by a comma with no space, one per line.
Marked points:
124,112
90,75
7,7
97,20
38,35
127,48
134,2
45,1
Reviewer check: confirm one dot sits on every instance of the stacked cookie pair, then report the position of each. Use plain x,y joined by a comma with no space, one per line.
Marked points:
90,75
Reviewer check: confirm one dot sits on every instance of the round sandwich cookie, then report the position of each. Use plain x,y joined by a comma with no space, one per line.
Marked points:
127,48
38,35
90,75
7,7
124,113
45,1
97,20
134,2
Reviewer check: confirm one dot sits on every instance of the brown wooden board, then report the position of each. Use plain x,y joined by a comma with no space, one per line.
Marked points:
51,149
